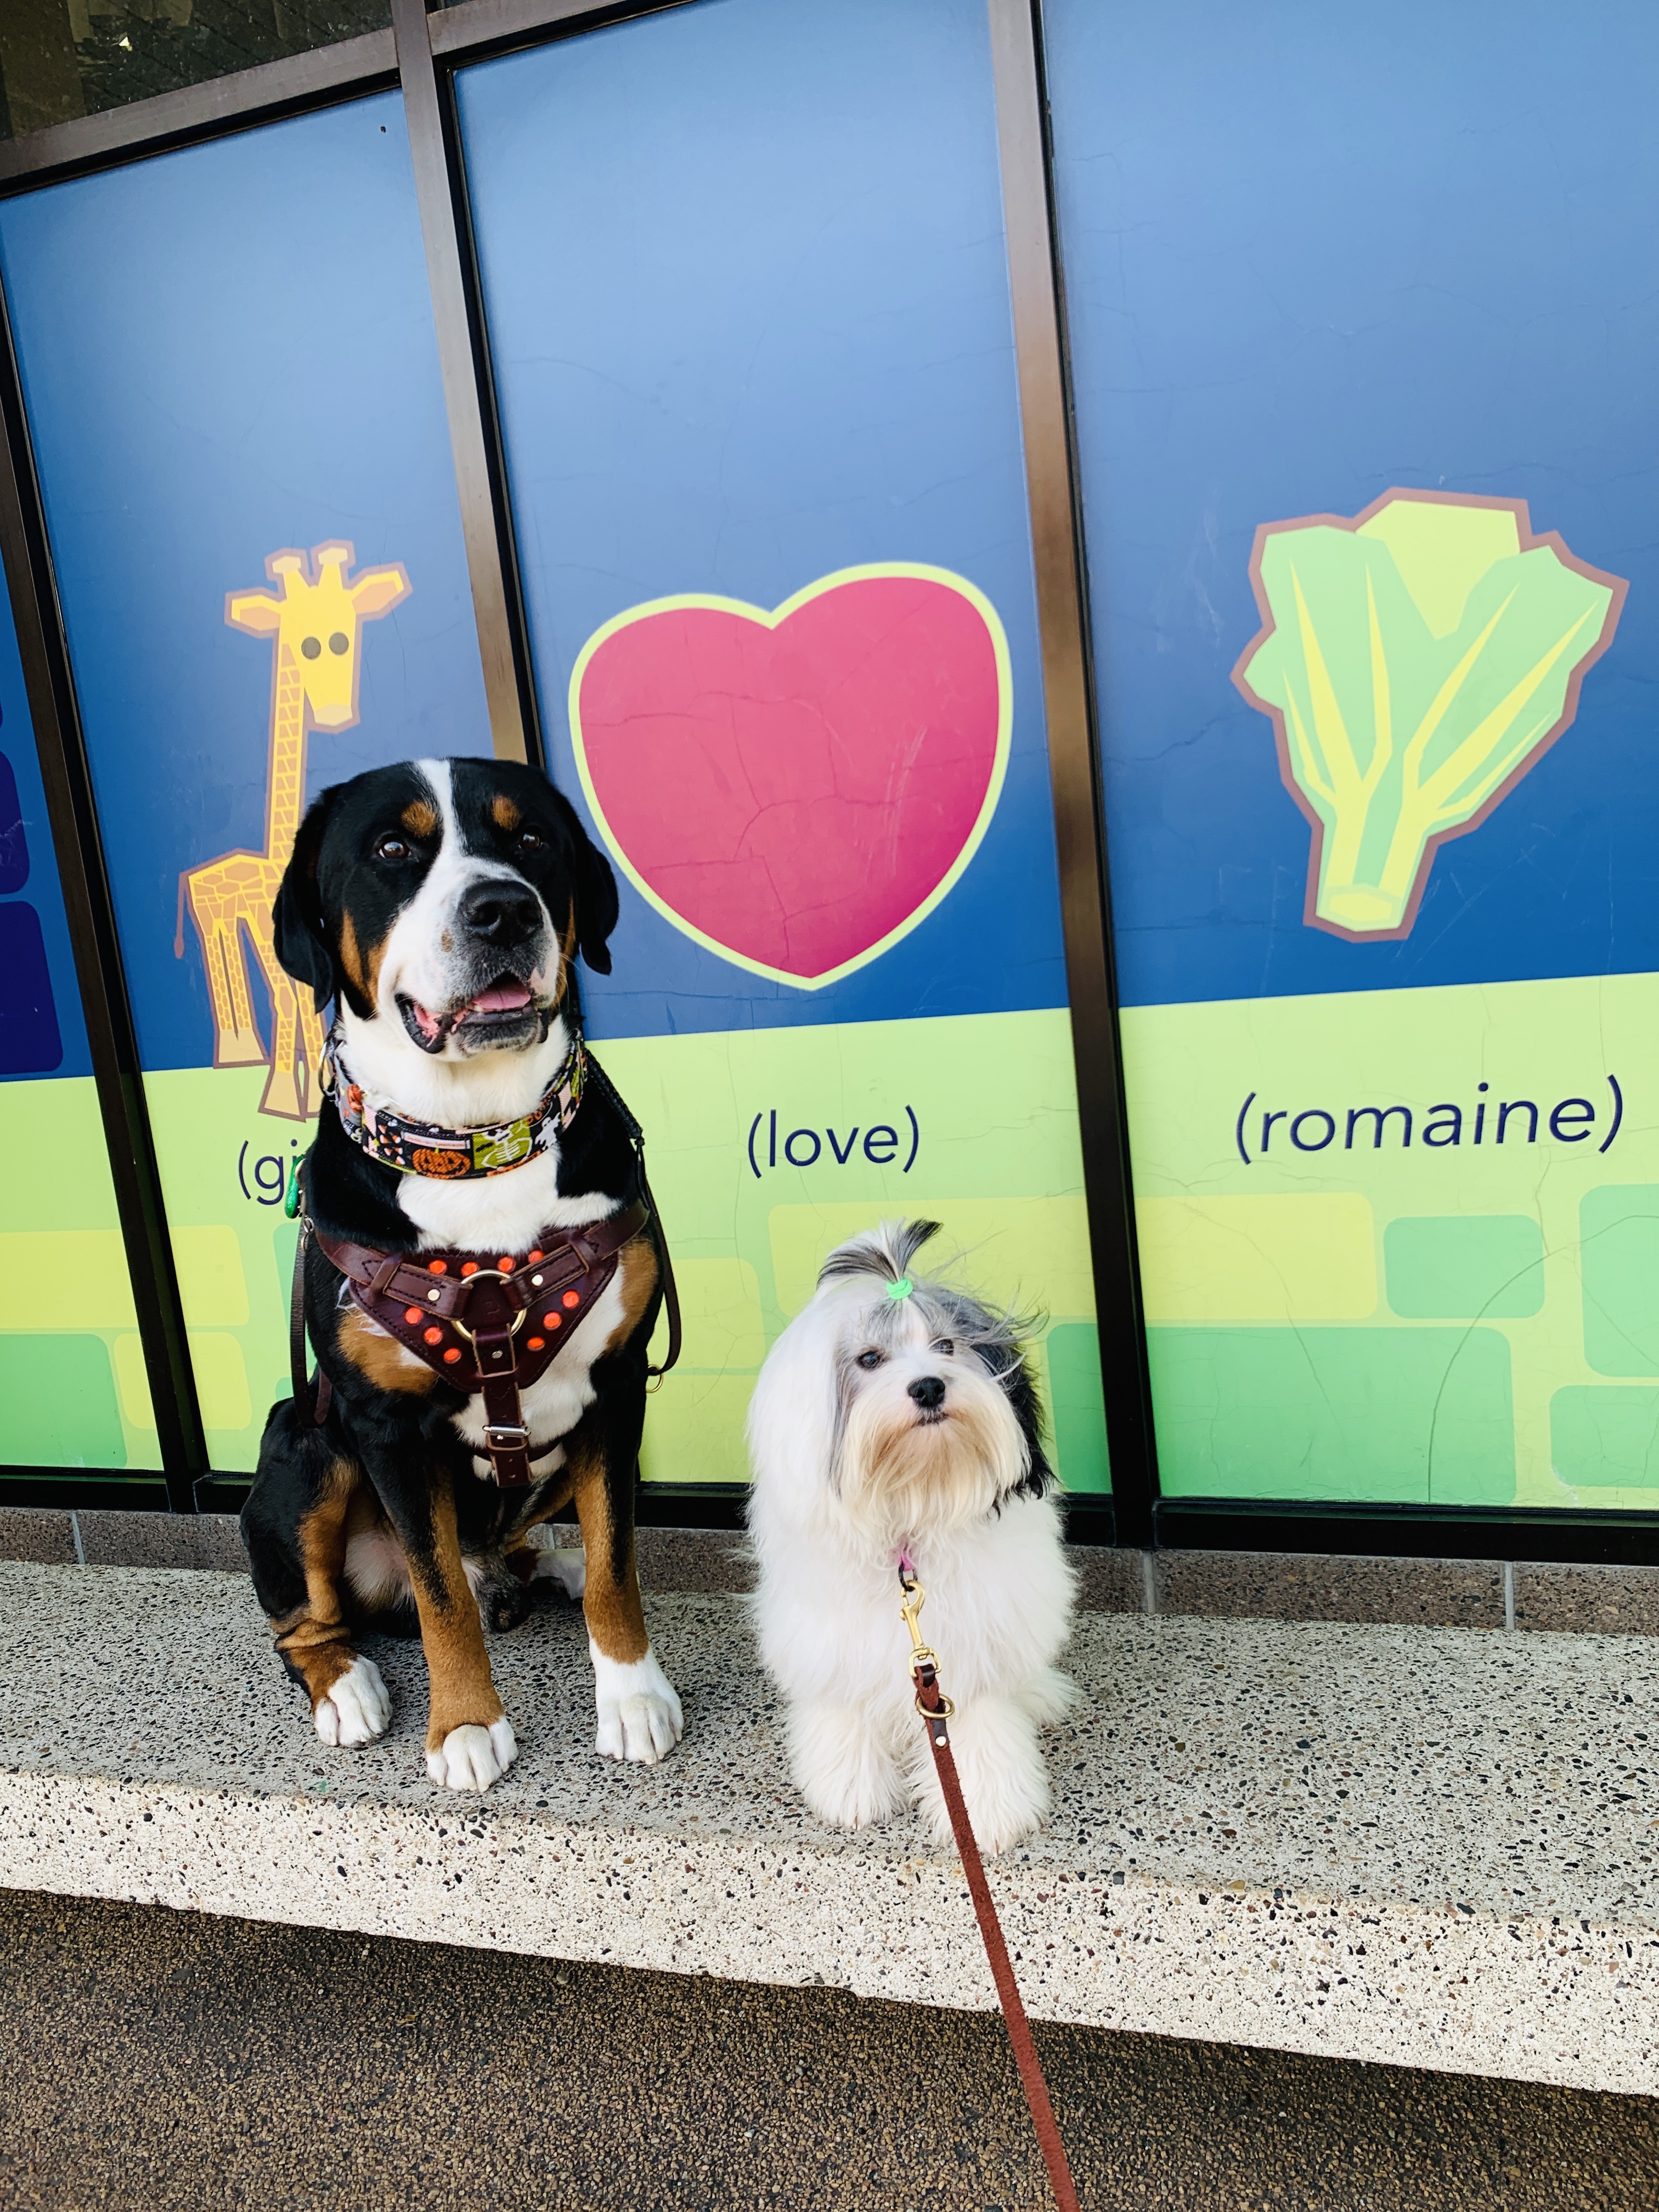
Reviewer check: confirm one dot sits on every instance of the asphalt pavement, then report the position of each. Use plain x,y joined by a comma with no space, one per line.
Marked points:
160,2060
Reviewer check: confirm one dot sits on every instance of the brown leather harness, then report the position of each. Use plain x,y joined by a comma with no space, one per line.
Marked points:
487,1324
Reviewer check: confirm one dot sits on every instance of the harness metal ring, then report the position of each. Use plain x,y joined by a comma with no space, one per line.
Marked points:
485,1275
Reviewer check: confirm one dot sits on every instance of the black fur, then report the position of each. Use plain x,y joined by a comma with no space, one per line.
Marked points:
402,1443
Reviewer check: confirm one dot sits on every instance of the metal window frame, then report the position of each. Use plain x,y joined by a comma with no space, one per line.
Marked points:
91,917
420,55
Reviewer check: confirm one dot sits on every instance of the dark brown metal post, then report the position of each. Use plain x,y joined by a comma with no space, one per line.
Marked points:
1056,540
485,521
104,1003
303,82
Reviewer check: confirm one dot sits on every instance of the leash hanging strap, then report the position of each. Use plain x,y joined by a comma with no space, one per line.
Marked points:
936,1709
659,1235
311,1402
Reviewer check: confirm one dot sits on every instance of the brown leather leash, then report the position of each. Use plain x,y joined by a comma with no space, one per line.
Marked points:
936,1709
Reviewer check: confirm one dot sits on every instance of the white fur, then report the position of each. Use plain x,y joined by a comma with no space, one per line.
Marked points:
564,1564
356,1710
377,1569
639,1708
473,1757
828,1514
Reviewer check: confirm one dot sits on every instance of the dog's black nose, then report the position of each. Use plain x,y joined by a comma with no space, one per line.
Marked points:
499,911
928,1391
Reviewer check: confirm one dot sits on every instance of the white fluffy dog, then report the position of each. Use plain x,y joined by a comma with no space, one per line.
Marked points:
896,1417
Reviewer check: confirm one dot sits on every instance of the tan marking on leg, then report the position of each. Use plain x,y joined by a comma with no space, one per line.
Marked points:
452,1634
374,1352
506,811
314,1638
516,1549
636,1277
616,1616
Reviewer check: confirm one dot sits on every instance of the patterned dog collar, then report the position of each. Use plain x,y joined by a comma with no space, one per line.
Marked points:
426,1148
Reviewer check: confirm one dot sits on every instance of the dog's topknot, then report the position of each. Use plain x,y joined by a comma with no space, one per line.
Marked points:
885,1251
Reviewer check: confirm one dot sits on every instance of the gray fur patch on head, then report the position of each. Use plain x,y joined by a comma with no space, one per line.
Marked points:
888,1254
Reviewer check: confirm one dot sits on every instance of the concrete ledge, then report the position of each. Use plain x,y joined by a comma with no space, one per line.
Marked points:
1430,1846
1210,1585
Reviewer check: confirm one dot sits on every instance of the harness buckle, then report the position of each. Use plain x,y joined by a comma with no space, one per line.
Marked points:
505,1436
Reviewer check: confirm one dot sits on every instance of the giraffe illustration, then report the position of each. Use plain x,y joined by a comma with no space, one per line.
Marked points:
316,616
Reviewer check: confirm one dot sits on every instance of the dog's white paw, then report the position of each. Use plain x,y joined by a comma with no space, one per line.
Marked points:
1004,1784
639,1708
356,1710
845,1772
473,1757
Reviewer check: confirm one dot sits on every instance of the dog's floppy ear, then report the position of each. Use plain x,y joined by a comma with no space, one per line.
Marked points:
297,916
594,888
1020,1389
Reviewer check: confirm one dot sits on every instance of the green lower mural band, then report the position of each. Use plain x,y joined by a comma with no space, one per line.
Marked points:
1403,1245
767,1147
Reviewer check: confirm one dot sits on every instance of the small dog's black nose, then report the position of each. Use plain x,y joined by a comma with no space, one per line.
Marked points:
928,1391
499,911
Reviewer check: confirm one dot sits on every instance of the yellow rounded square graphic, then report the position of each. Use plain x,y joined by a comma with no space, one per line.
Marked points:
1297,1257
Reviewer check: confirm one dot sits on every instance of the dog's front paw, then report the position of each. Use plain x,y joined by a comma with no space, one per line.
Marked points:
473,1757
639,1708
1004,1784
355,1709
846,1774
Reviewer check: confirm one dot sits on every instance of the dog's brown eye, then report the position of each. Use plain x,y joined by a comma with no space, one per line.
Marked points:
869,1360
946,1348
392,848
531,841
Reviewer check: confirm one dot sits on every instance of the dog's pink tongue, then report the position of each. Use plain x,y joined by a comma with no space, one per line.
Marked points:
500,998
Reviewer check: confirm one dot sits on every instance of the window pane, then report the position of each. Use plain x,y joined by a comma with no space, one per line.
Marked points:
749,311
61,58
223,373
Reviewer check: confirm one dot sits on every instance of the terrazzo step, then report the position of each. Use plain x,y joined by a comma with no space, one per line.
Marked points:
1430,1846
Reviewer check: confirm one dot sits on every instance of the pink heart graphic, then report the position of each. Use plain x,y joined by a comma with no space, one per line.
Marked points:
797,790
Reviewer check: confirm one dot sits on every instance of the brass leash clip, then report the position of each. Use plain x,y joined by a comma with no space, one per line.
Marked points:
923,1660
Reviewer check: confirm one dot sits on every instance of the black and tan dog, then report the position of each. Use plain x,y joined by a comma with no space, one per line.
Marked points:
465,1148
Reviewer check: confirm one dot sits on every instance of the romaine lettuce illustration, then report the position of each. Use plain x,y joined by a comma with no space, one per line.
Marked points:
1416,661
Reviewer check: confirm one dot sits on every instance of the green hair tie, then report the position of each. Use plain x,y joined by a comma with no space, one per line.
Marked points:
902,1289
